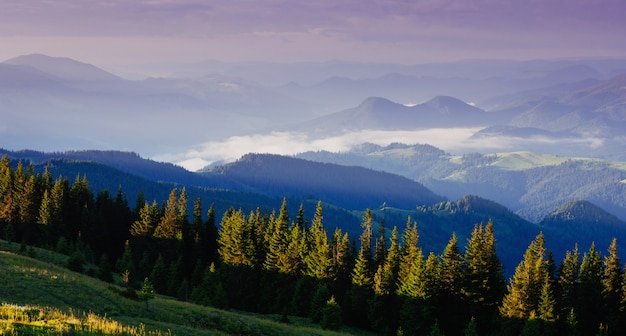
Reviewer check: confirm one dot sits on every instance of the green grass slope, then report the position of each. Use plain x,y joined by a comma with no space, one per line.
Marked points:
40,297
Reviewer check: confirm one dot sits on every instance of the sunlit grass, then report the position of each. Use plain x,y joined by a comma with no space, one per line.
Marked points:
40,297
17,320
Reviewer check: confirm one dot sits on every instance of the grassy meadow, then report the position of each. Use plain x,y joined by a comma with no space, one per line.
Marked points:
38,296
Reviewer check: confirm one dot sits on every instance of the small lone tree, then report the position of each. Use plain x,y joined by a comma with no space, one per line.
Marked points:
331,315
147,292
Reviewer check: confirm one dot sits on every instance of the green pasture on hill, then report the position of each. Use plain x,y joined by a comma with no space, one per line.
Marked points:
41,297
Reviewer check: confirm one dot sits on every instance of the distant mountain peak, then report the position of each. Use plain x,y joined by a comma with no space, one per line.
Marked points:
377,103
63,67
448,105
581,211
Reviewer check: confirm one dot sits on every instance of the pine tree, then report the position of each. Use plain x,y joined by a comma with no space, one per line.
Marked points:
292,263
546,309
452,308
318,261
342,260
24,189
170,226
470,329
209,240
125,262
361,274
380,248
612,289
410,251
386,277
6,190
79,204
105,270
147,222
147,292
524,290
589,310
567,283
277,240
532,326
175,276
197,225
320,297
572,323
159,275
435,330
331,315
484,281
234,245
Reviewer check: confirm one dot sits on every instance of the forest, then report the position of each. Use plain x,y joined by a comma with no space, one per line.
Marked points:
270,261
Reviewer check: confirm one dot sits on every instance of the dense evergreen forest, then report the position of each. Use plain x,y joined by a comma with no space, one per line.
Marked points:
271,262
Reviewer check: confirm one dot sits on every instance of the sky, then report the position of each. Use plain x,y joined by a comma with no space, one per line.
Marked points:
118,32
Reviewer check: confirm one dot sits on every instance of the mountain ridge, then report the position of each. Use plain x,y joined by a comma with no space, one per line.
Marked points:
64,68
248,186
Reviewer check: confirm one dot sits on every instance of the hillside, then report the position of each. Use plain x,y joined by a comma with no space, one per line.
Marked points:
585,219
110,170
261,181
377,113
127,162
69,301
530,184
63,68
348,187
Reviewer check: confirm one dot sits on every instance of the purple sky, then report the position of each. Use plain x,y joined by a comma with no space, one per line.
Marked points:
135,31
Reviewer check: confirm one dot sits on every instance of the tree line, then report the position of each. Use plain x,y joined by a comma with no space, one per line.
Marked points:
269,262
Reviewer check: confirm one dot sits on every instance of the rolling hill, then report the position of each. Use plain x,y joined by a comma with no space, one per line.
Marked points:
376,113
348,187
60,301
530,184
261,181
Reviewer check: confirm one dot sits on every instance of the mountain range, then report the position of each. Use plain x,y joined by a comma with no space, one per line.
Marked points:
530,184
262,180
573,107
552,134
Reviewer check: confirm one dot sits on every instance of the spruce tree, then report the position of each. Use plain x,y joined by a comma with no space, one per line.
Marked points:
484,281
380,248
277,240
331,315
146,293
470,329
125,262
386,277
410,251
292,262
589,311
105,270
159,275
6,190
318,302
318,261
524,290
612,289
145,225
170,226
567,283
452,307
342,260
234,245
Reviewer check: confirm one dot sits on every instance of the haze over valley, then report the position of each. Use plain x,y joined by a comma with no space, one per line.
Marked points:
276,167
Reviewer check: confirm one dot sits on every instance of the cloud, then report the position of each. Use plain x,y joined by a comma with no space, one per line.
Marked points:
289,143
454,140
